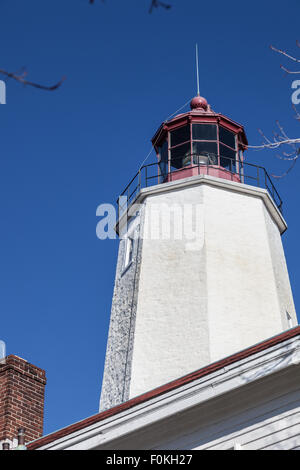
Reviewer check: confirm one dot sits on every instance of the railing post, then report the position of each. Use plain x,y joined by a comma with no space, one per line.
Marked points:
139,183
242,172
266,184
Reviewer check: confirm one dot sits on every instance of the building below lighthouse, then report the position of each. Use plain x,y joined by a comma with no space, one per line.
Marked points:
203,348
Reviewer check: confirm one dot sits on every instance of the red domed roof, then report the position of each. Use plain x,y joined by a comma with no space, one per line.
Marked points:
200,111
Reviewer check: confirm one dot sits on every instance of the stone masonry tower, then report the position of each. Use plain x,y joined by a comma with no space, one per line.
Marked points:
201,271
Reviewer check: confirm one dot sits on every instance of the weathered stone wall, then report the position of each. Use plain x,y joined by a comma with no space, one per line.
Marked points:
117,371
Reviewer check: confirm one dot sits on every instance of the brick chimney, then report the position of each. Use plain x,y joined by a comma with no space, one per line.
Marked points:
22,387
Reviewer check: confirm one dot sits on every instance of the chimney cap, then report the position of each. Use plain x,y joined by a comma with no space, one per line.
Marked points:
21,439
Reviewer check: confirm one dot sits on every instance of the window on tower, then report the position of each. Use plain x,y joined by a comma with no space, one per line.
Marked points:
163,160
180,147
228,155
205,153
180,135
128,256
226,137
181,156
205,132
205,146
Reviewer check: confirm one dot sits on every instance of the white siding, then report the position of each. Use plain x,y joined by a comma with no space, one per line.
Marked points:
273,425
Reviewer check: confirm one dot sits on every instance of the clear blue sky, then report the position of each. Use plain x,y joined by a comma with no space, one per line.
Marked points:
65,152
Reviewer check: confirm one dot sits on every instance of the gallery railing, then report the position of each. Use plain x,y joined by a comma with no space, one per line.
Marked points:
158,173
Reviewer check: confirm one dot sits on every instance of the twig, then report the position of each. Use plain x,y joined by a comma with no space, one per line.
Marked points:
275,144
288,170
154,4
157,4
285,54
289,71
21,79
289,56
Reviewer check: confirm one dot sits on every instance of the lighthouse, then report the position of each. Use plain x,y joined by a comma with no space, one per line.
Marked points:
201,272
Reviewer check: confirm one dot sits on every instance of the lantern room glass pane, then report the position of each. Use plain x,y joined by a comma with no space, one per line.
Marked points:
204,132
180,135
163,159
205,153
181,156
227,158
227,137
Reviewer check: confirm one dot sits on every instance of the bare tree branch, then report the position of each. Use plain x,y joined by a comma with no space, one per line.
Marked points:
280,138
289,56
278,141
157,4
274,145
285,53
289,71
154,4
21,79
288,170
21,76
297,115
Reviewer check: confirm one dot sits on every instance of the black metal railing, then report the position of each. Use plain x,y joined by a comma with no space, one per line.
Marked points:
160,172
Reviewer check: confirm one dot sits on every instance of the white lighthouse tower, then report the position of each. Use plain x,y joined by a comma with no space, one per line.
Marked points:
201,271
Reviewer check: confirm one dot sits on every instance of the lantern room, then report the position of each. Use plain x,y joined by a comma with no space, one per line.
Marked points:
200,142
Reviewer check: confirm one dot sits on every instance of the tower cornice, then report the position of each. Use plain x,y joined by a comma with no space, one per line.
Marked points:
198,180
